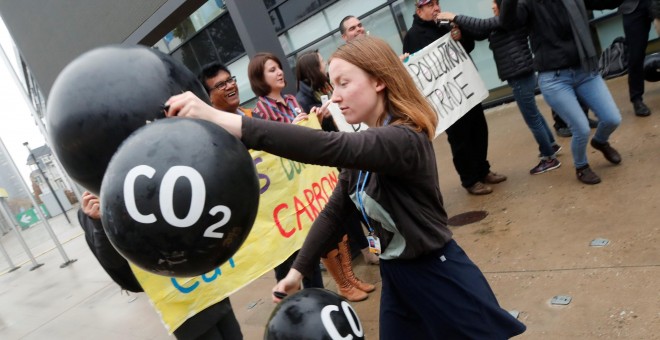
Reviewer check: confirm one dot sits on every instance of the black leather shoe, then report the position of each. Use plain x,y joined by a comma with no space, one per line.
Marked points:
587,176
564,132
609,152
641,110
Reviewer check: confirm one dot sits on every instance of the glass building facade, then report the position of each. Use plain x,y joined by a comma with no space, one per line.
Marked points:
302,25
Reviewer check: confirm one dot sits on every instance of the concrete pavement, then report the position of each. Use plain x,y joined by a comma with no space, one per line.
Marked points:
533,245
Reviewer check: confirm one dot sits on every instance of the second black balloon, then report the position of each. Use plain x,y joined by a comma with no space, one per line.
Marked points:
104,95
179,197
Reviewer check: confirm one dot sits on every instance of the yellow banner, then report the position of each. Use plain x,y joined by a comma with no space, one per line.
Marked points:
292,195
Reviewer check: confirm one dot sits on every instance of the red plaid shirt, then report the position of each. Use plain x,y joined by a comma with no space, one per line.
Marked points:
271,109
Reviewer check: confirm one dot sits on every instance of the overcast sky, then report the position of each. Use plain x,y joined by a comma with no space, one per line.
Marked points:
16,123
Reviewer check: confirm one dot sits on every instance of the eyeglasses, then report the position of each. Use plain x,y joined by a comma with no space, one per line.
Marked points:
223,84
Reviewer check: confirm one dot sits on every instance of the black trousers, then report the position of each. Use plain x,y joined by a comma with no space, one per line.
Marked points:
468,139
316,281
636,26
560,123
216,322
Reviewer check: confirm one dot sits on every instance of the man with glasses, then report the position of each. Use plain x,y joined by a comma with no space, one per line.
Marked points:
468,137
222,88
350,28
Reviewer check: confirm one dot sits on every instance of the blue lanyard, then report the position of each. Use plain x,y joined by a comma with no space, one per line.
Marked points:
359,191
280,112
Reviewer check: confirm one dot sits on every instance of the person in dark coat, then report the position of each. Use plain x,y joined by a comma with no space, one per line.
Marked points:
567,62
515,65
216,322
468,137
637,20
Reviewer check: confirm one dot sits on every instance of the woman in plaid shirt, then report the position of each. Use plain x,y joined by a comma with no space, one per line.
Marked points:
267,82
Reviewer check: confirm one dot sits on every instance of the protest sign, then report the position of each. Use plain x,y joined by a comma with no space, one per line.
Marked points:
448,79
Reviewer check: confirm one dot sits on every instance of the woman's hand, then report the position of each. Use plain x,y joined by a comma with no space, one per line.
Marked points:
299,118
91,205
189,105
322,112
289,285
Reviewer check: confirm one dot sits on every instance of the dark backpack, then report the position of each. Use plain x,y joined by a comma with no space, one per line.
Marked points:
112,262
614,59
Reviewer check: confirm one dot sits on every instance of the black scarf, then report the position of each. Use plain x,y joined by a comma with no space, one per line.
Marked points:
577,15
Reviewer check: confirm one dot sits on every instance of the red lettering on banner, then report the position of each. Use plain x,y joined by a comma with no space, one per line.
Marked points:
318,194
314,201
333,179
284,233
300,209
309,195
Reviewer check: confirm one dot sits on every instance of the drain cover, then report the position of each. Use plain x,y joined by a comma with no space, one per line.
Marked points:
599,242
467,218
561,300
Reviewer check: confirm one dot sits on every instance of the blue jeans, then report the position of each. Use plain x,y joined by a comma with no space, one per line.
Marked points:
523,92
561,89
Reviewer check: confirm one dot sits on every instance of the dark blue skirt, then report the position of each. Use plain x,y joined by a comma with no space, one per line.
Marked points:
441,296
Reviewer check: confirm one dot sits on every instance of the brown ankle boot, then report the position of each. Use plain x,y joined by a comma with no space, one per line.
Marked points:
344,288
347,266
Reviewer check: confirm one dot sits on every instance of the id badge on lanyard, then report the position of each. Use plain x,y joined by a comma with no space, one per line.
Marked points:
374,242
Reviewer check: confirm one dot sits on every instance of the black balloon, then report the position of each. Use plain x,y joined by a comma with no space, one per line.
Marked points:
314,313
652,67
104,95
179,197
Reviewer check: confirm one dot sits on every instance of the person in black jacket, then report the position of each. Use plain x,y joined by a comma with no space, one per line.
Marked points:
567,62
312,84
468,137
112,262
637,20
514,62
216,322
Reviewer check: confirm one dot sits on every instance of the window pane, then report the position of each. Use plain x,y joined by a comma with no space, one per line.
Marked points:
270,3
186,55
239,69
226,39
202,16
381,24
403,13
324,22
203,48
343,8
293,10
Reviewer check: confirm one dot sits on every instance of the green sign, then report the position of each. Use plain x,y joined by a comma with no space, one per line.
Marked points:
29,217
